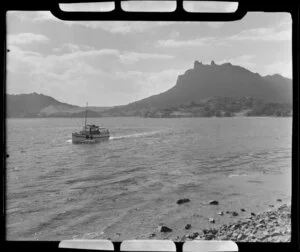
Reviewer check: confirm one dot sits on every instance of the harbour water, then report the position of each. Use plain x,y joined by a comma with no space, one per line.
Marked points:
125,187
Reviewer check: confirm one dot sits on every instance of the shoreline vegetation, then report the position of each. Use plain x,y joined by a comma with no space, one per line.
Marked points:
224,107
273,225
213,107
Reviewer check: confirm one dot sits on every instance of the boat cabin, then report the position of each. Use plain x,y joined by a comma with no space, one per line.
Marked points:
90,133
93,129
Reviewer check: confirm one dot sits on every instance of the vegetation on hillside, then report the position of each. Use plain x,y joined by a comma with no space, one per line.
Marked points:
222,107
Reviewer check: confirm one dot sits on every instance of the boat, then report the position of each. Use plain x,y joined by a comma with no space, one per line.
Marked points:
90,133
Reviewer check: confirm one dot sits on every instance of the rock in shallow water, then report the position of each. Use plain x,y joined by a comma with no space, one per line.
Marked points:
188,226
164,229
213,202
234,213
193,235
152,235
182,201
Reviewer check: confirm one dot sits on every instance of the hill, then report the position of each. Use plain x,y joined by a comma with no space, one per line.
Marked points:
204,90
39,105
30,105
203,82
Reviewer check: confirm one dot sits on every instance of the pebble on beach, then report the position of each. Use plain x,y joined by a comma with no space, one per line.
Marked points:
269,226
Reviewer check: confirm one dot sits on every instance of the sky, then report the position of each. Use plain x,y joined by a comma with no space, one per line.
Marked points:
108,63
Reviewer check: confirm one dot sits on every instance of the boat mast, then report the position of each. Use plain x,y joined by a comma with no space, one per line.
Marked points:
85,116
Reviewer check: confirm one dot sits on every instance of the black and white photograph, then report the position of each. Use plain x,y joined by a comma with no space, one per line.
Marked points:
150,130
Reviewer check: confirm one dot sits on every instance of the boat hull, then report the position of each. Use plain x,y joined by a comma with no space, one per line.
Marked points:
87,138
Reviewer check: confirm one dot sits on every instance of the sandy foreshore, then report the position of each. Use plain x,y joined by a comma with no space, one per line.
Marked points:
269,226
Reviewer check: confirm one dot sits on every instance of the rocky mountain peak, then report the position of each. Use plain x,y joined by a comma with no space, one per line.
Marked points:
197,64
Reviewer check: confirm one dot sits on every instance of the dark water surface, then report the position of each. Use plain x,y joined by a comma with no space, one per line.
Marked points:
57,190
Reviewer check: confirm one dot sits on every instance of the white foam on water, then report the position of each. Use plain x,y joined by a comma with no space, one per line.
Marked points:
236,175
134,135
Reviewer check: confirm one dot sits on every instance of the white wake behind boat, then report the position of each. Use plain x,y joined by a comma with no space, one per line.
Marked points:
90,133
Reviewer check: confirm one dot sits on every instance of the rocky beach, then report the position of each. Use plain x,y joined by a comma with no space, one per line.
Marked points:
273,225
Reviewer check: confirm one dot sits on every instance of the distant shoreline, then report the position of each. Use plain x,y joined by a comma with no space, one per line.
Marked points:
216,106
171,117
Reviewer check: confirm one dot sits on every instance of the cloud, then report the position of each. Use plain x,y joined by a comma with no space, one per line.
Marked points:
33,16
79,55
55,74
249,61
282,67
280,32
69,54
246,60
21,60
215,25
116,27
174,34
171,43
120,27
150,83
123,27
133,57
26,38
205,41
40,16
70,47
262,34
79,67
